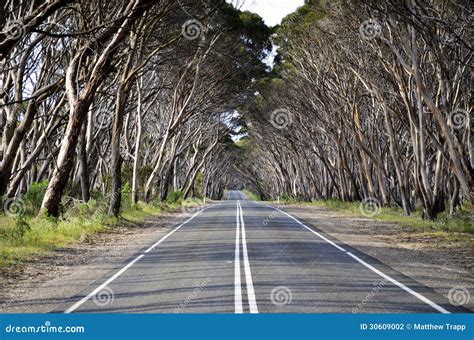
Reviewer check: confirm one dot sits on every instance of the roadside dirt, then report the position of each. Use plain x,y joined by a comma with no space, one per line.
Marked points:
444,262
42,284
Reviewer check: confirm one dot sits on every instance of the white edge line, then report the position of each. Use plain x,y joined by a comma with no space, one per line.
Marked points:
102,286
248,273
131,263
401,285
375,270
237,281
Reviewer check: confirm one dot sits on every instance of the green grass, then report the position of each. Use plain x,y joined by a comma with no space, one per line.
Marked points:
29,236
462,221
251,195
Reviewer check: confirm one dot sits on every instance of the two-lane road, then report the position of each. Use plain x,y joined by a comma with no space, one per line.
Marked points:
240,256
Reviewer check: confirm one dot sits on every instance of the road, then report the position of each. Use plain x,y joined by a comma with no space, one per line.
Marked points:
240,256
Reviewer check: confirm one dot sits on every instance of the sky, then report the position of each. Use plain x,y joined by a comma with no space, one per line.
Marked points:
272,11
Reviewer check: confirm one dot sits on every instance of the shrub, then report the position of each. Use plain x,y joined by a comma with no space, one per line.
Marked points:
287,198
175,197
126,196
19,230
34,196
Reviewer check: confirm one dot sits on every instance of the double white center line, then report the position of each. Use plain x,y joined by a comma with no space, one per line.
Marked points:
248,274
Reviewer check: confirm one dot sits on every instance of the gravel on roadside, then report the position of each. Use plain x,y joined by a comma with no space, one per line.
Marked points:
443,262
44,282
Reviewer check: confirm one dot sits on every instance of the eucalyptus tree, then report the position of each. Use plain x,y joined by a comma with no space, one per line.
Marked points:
97,93
369,101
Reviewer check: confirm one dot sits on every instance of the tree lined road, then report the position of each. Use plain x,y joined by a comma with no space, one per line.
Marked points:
240,256
147,105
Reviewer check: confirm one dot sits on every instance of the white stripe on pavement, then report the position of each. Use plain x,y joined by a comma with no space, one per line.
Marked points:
376,271
237,282
248,273
401,285
121,271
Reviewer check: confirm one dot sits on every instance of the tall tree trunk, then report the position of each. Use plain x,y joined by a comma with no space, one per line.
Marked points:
79,103
83,165
60,177
136,160
116,159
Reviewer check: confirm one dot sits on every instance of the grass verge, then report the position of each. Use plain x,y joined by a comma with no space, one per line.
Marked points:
22,238
461,221
251,195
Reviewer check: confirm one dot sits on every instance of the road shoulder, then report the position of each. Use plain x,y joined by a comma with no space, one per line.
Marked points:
42,284
430,259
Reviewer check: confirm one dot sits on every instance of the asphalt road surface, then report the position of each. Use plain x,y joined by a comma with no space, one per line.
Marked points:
240,256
